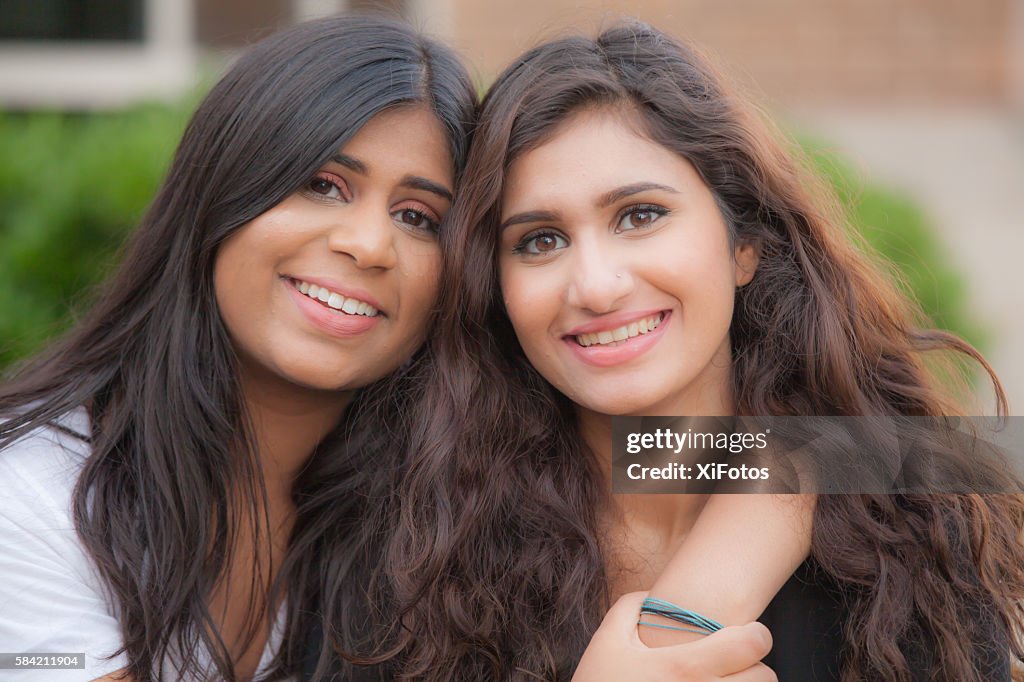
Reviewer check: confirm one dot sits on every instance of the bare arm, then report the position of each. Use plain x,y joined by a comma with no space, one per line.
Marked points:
616,653
740,552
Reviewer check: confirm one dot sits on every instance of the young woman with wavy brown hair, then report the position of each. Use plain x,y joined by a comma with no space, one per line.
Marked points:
619,180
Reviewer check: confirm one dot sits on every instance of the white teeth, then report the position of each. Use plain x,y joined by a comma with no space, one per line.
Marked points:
621,334
336,301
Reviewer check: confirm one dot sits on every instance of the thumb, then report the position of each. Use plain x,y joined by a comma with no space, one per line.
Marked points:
731,649
622,616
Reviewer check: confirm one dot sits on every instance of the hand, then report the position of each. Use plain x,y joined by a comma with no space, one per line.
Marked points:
616,653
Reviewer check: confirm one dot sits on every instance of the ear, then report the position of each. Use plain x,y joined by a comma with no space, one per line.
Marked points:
747,256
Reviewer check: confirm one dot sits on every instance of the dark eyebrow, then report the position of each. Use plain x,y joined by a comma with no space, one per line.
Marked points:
417,182
532,217
629,190
409,181
350,163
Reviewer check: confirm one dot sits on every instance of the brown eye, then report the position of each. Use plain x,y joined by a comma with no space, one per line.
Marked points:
321,186
540,243
417,220
640,217
413,218
546,242
327,185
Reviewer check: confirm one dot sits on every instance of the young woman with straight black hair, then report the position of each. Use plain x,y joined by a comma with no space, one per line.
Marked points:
148,460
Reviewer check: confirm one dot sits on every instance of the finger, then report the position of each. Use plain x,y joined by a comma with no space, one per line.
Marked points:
756,673
730,650
623,615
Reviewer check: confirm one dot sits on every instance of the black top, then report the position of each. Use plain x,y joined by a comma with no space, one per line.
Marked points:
806,621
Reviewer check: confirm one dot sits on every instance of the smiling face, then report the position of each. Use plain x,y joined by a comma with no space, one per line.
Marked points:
617,271
332,288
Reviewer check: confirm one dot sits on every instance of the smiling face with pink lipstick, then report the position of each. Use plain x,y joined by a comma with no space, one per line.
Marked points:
618,272
332,288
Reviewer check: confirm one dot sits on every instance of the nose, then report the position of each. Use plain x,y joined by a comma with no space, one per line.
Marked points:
366,234
600,280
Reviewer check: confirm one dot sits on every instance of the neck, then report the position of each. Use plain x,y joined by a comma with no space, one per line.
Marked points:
288,422
669,516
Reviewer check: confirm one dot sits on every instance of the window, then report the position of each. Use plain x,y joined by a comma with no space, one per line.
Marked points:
71,20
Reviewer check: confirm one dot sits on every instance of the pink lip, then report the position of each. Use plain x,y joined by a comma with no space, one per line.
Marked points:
333,322
609,356
338,287
612,321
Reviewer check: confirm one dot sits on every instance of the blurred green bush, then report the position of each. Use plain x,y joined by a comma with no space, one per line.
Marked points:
72,187
898,230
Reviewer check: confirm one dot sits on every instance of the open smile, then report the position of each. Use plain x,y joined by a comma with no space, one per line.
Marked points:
334,300
619,344
331,312
621,334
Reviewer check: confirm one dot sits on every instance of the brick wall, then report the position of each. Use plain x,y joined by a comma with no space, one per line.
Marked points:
797,51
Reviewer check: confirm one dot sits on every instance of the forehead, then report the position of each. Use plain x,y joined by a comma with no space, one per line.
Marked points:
588,154
404,139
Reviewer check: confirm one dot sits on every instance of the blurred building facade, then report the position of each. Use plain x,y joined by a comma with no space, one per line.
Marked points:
798,51
925,95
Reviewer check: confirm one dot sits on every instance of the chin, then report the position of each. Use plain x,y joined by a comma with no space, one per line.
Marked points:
618,405
318,377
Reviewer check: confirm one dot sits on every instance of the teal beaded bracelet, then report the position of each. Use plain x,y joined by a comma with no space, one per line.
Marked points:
698,624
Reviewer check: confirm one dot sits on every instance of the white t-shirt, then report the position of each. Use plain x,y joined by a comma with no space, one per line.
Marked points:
51,597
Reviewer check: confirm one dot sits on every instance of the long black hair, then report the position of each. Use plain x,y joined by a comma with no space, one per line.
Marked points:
152,362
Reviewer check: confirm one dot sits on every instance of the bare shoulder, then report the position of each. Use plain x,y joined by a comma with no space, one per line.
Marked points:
117,676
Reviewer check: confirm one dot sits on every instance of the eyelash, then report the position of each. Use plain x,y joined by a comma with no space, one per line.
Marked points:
659,211
334,181
520,248
433,226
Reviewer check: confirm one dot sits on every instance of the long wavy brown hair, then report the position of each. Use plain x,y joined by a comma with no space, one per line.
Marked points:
490,561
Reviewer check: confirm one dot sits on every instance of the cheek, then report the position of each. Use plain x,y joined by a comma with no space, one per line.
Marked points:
421,280
515,291
700,275
532,301
424,272
229,280
698,265
707,298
